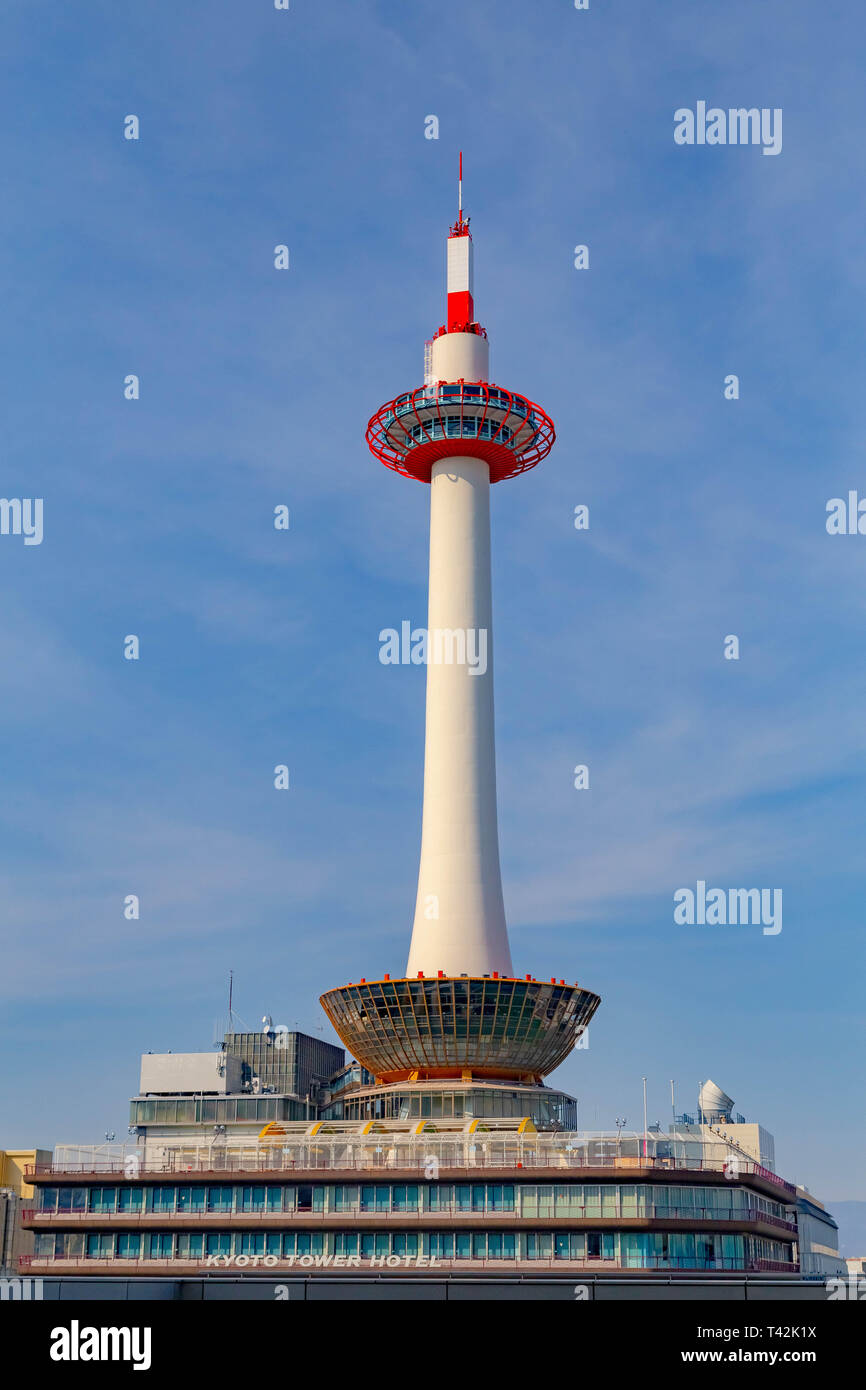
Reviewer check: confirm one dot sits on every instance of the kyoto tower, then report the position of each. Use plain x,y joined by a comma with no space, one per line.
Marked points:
460,1010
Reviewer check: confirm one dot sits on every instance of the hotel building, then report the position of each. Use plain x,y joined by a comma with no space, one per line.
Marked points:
440,1147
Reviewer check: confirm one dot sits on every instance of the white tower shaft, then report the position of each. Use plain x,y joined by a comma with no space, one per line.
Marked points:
459,915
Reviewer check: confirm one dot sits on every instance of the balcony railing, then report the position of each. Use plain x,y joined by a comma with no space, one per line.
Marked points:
450,1157
138,1219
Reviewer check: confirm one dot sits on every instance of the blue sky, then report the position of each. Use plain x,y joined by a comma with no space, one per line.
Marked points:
260,647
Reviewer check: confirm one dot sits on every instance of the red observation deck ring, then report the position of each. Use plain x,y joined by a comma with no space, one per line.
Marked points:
448,419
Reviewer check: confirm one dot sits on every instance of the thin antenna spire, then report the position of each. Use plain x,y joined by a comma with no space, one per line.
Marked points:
231,984
461,226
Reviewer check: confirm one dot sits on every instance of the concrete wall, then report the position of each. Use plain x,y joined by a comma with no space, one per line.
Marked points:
13,1240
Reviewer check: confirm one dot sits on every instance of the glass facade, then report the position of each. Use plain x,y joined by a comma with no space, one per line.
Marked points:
687,1219
225,1110
523,1028
547,1109
291,1063
537,1201
614,1249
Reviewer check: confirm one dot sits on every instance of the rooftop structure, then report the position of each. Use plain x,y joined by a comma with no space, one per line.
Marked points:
716,1119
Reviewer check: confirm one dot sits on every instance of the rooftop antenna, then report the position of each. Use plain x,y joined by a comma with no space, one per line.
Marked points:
461,226
232,1014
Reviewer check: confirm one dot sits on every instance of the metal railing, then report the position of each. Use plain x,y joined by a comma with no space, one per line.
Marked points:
417,1215
448,1156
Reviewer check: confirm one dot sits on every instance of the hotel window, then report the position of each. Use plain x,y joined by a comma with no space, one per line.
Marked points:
600,1245
374,1245
129,1199
71,1198
159,1245
161,1199
218,1243
310,1242
100,1247
275,1198
375,1198
252,1243
463,1246
500,1198
404,1198
628,1199
103,1199
405,1244
191,1198
561,1246
48,1199
545,1200
344,1197
309,1198
440,1245
219,1199
346,1243
128,1245
252,1199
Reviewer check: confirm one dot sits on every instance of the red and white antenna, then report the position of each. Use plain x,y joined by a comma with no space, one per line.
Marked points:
461,304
